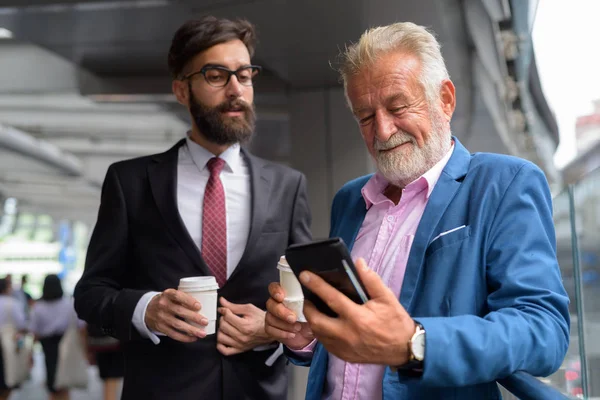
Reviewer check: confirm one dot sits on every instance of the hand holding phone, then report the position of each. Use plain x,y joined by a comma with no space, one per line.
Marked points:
364,333
331,260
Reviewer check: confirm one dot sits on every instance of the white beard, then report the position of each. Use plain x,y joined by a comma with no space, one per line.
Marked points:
401,169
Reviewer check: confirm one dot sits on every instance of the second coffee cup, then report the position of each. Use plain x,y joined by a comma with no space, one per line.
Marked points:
294,298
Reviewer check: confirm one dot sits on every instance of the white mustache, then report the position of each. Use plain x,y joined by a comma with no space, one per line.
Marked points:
394,141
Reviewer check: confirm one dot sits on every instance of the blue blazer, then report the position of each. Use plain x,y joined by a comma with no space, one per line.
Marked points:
489,294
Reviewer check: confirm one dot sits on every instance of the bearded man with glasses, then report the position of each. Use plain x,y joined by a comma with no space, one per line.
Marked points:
204,207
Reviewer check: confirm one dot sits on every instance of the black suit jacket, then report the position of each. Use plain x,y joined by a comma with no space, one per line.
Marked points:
140,244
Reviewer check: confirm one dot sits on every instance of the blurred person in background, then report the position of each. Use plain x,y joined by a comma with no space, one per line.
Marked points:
464,283
23,296
205,207
50,318
9,283
10,312
107,353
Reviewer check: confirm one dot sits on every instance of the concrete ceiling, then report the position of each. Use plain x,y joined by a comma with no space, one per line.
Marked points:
298,39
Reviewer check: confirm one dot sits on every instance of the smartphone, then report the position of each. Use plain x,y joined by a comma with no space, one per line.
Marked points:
330,259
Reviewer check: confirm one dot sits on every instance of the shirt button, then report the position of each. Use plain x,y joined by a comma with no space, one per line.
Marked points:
390,218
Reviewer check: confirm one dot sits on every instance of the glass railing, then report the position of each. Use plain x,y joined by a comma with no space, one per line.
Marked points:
585,199
577,222
523,386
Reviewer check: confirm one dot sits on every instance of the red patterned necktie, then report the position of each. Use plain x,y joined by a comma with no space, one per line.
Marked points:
214,227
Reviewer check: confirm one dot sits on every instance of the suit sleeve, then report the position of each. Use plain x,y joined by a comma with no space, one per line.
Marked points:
527,327
301,218
100,296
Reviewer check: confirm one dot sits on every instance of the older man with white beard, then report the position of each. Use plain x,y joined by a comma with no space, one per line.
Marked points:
456,250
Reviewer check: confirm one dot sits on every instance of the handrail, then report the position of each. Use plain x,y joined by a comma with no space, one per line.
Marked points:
526,387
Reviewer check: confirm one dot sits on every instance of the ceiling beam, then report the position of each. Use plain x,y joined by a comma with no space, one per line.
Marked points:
95,122
126,148
42,151
21,73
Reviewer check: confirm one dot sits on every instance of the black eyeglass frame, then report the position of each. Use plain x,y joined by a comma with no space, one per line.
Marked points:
256,69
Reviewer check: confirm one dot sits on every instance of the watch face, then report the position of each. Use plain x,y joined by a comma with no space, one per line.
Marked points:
418,346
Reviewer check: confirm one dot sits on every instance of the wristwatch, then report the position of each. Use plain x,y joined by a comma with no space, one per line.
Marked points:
416,356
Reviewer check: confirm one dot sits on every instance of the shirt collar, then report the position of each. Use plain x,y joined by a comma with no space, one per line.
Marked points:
232,156
373,189
375,186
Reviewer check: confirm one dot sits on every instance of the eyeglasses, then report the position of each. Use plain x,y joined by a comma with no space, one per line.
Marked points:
218,76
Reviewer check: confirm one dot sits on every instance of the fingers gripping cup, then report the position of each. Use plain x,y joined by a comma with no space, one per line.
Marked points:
294,298
203,289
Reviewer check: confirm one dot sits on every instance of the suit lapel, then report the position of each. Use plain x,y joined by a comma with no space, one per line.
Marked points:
162,174
260,190
443,193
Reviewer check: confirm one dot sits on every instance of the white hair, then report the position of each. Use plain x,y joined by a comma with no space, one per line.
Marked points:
399,37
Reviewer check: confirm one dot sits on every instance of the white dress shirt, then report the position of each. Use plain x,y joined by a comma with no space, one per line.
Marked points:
12,312
192,177
50,318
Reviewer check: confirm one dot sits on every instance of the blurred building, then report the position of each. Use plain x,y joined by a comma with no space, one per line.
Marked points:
587,134
587,129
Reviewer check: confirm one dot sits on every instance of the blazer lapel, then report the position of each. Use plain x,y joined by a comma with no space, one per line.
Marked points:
260,189
350,225
443,193
162,174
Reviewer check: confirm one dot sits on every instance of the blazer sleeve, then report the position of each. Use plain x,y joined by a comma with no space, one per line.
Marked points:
527,327
301,217
100,298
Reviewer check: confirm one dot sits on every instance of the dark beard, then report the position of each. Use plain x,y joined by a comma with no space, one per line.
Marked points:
222,130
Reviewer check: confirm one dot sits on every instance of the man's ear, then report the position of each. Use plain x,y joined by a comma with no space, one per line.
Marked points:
181,91
448,98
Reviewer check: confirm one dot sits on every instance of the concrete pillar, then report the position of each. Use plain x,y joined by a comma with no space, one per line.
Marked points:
327,147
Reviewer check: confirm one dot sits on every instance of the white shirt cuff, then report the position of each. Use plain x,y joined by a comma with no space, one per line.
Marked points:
278,347
273,357
139,315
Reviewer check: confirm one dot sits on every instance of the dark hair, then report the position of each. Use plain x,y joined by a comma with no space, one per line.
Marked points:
196,36
52,289
3,285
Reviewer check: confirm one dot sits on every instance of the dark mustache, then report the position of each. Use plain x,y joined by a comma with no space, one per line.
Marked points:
234,105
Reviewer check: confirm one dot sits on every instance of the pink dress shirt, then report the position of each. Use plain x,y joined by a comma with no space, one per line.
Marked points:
384,241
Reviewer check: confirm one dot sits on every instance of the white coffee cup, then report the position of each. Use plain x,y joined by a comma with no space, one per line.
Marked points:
204,289
294,298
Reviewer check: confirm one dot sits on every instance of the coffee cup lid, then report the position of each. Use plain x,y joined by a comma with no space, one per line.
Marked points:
283,265
198,283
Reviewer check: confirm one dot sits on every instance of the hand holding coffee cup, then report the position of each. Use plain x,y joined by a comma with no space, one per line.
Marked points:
165,312
285,320
282,324
204,290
